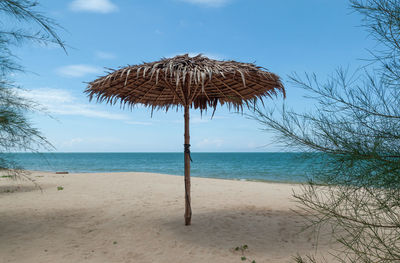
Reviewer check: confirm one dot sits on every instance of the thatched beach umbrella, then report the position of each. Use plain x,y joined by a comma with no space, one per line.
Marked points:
189,82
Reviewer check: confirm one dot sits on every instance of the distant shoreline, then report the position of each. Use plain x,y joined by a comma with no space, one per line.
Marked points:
250,166
145,152
136,172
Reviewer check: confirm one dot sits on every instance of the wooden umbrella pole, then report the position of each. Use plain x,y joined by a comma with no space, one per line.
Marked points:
188,209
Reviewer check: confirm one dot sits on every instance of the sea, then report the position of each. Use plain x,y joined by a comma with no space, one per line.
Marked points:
275,167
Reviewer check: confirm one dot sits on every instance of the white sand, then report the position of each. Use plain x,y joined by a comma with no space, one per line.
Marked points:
138,217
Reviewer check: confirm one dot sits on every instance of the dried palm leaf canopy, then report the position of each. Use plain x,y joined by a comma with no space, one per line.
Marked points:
190,82
198,82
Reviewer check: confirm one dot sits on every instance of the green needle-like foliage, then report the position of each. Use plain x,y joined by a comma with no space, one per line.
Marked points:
20,23
355,131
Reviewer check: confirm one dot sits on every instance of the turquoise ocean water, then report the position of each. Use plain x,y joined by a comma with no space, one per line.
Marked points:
279,167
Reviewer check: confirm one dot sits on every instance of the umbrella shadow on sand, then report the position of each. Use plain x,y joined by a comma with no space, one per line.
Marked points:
264,231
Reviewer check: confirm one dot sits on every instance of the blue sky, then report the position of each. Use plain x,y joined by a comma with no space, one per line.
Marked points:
314,36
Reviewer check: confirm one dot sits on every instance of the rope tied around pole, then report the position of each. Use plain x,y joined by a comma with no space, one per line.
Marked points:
187,150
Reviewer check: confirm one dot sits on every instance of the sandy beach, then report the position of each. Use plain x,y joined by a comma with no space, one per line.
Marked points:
138,217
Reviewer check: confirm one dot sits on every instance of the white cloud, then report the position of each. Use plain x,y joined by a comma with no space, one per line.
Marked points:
78,70
104,55
72,142
207,143
208,3
139,123
197,120
61,102
95,6
76,142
